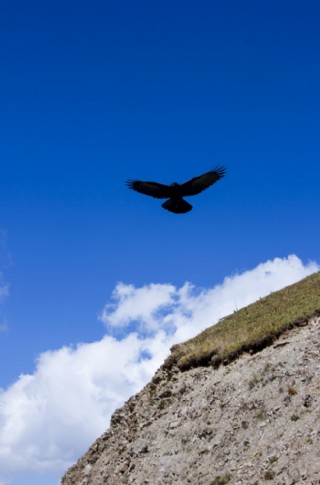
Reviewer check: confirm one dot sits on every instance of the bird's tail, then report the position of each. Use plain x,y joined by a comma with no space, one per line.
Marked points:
178,206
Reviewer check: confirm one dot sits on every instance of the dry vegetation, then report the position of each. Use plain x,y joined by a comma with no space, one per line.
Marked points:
251,328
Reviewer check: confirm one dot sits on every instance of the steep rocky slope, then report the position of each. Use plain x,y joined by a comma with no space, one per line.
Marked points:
253,421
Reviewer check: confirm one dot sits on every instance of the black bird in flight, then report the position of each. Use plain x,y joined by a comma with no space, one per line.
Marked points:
175,192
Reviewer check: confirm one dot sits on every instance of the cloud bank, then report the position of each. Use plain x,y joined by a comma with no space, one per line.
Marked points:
49,418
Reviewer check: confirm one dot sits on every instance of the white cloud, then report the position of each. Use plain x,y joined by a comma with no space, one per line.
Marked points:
49,418
185,311
130,304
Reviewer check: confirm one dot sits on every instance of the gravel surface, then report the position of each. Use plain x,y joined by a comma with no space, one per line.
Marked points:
254,421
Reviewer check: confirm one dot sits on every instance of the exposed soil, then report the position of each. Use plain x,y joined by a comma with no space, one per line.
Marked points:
254,421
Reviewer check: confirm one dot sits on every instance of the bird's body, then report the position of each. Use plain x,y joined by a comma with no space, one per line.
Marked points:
177,205
175,192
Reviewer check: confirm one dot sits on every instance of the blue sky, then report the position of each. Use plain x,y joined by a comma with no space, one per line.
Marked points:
94,93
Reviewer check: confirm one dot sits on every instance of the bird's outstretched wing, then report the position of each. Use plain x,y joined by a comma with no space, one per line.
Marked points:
198,184
160,191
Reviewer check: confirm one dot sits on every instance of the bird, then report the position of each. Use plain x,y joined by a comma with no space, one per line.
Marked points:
175,192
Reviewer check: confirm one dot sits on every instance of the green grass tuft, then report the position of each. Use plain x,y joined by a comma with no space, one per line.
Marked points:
221,480
251,328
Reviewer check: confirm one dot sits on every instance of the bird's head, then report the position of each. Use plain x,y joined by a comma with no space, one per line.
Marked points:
174,184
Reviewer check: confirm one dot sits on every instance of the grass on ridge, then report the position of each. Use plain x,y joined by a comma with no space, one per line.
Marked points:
250,328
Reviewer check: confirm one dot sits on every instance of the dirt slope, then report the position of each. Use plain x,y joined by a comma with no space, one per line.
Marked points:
254,421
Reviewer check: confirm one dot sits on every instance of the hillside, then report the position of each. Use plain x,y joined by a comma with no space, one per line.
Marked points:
253,419
251,328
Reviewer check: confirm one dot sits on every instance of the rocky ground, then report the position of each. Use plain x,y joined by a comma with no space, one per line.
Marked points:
254,421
